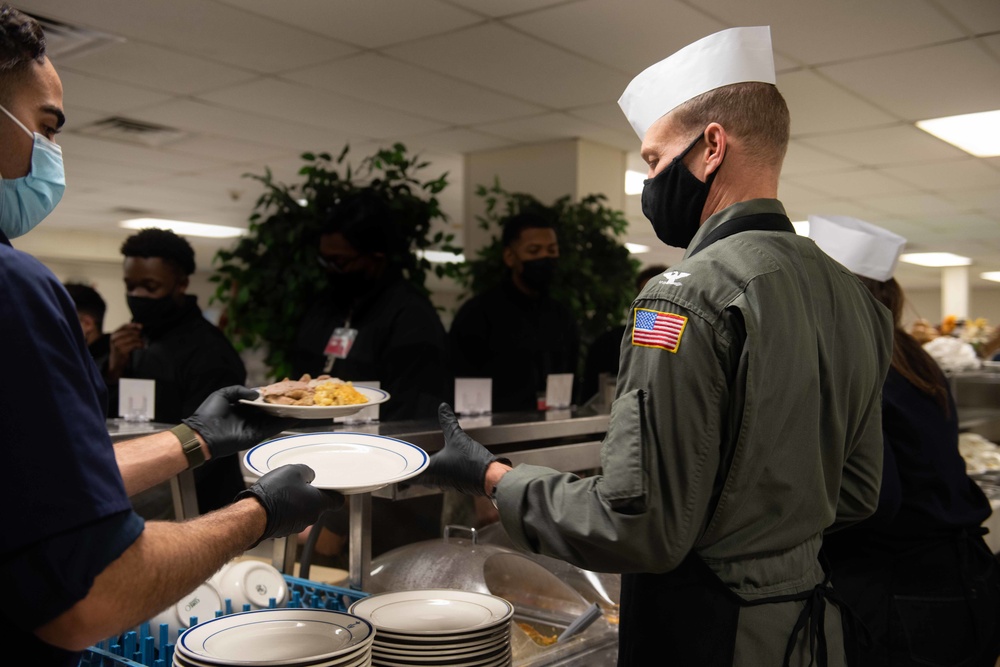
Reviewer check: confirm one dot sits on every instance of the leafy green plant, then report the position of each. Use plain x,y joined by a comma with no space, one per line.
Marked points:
268,279
596,275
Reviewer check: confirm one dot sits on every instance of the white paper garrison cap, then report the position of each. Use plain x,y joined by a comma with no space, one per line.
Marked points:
722,59
862,247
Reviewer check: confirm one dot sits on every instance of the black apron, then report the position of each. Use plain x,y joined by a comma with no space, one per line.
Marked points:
688,616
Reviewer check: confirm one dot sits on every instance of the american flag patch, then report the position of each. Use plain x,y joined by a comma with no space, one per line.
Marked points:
655,329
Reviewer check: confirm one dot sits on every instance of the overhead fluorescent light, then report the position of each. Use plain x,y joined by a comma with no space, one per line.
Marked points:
633,182
935,259
991,275
440,256
184,228
975,133
801,227
636,248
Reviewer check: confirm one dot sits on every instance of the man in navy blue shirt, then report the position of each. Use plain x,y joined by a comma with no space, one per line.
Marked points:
78,563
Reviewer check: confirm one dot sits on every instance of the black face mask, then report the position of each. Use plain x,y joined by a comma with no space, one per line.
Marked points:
539,273
345,288
153,313
674,199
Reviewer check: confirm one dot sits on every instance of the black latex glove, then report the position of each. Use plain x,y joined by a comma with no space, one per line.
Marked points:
461,465
292,504
229,426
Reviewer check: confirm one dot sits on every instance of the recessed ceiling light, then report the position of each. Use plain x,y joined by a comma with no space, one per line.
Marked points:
636,248
184,228
440,256
633,182
801,227
935,259
991,275
975,133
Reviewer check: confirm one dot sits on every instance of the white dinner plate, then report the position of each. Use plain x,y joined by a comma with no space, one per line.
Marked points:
276,637
344,462
434,611
498,633
374,396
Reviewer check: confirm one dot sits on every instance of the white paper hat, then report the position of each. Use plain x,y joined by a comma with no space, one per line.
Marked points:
724,58
862,247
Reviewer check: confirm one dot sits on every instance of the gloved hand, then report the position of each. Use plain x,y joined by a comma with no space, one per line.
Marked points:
228,426
461,465
290,501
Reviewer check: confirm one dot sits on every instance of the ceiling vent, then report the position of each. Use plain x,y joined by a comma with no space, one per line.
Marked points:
128,130
64,41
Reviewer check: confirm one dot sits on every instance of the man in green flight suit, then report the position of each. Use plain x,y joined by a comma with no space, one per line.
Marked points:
747,418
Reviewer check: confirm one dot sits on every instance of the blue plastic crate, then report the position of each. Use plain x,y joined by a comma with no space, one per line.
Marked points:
136,648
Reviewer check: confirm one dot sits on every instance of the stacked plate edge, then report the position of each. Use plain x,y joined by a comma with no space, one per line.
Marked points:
438,626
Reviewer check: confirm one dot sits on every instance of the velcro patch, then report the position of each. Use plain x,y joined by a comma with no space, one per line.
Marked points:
653,328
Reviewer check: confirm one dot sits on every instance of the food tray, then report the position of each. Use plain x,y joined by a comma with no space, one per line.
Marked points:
127,650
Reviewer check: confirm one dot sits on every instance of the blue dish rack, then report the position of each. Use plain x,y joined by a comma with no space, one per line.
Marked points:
136,648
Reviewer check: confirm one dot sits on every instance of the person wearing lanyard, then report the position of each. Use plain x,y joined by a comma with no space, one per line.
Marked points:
918,572
746,420
79,565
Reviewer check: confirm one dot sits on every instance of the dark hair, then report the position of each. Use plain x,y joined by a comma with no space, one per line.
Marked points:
162,243
22,42
88,301
908,356
368,223
647,273
513,225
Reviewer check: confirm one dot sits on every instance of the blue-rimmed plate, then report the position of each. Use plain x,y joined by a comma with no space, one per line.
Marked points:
344,462
374,396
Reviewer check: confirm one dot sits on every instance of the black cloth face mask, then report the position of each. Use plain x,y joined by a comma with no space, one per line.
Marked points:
153,314
539,273
674,199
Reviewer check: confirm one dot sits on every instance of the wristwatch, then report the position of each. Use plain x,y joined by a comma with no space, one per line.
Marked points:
190,444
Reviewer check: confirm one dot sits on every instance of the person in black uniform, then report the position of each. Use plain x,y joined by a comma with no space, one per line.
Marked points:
374,324
917,572
515,333
90,307
170,341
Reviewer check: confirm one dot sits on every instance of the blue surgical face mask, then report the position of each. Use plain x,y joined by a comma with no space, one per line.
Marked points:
24,202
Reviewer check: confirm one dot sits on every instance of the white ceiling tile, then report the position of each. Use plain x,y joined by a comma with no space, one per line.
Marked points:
508,7
609,32
830,31
606,114
98,94
319,108
900,145
398,85
912,206
459,140
82,172
968,172
802,159
987,199
129,154
539,128
859,182
818,106
991,45
925,83
228,149
157,69
507,61
976,16
367,23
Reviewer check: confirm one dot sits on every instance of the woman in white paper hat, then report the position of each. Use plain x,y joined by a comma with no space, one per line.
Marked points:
918,572
746,417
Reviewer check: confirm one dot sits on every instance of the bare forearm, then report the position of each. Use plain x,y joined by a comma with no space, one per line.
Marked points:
167,561
147,461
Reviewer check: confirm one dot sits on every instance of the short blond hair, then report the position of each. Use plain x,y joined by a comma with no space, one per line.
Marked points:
754,112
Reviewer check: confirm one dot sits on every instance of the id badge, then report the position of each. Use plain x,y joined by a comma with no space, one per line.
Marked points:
340,343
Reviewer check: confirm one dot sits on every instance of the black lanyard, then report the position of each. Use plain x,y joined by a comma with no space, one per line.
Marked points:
762,222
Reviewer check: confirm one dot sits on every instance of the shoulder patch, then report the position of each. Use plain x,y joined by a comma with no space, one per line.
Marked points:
653,328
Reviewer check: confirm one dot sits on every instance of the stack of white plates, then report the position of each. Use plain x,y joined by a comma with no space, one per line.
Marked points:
278,638
438,626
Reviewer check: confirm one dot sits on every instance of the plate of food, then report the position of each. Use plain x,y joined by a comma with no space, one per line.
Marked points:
322,397
344,462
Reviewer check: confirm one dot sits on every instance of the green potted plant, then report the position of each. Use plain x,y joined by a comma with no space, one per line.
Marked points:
271,275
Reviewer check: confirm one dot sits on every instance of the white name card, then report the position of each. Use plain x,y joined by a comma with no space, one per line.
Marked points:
137,399
558,390
473,396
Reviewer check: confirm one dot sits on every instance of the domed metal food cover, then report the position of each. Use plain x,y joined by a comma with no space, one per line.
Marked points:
544,604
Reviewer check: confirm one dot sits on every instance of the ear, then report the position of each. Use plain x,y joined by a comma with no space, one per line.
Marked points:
182,283
509,257
86,322
716,144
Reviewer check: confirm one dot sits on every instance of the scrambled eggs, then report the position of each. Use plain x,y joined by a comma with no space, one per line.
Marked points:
337,393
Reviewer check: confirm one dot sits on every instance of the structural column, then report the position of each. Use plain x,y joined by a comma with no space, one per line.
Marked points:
955,291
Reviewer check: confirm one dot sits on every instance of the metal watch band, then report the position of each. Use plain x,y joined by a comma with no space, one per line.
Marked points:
189,443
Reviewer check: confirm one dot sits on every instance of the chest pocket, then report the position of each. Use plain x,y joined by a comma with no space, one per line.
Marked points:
623,455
